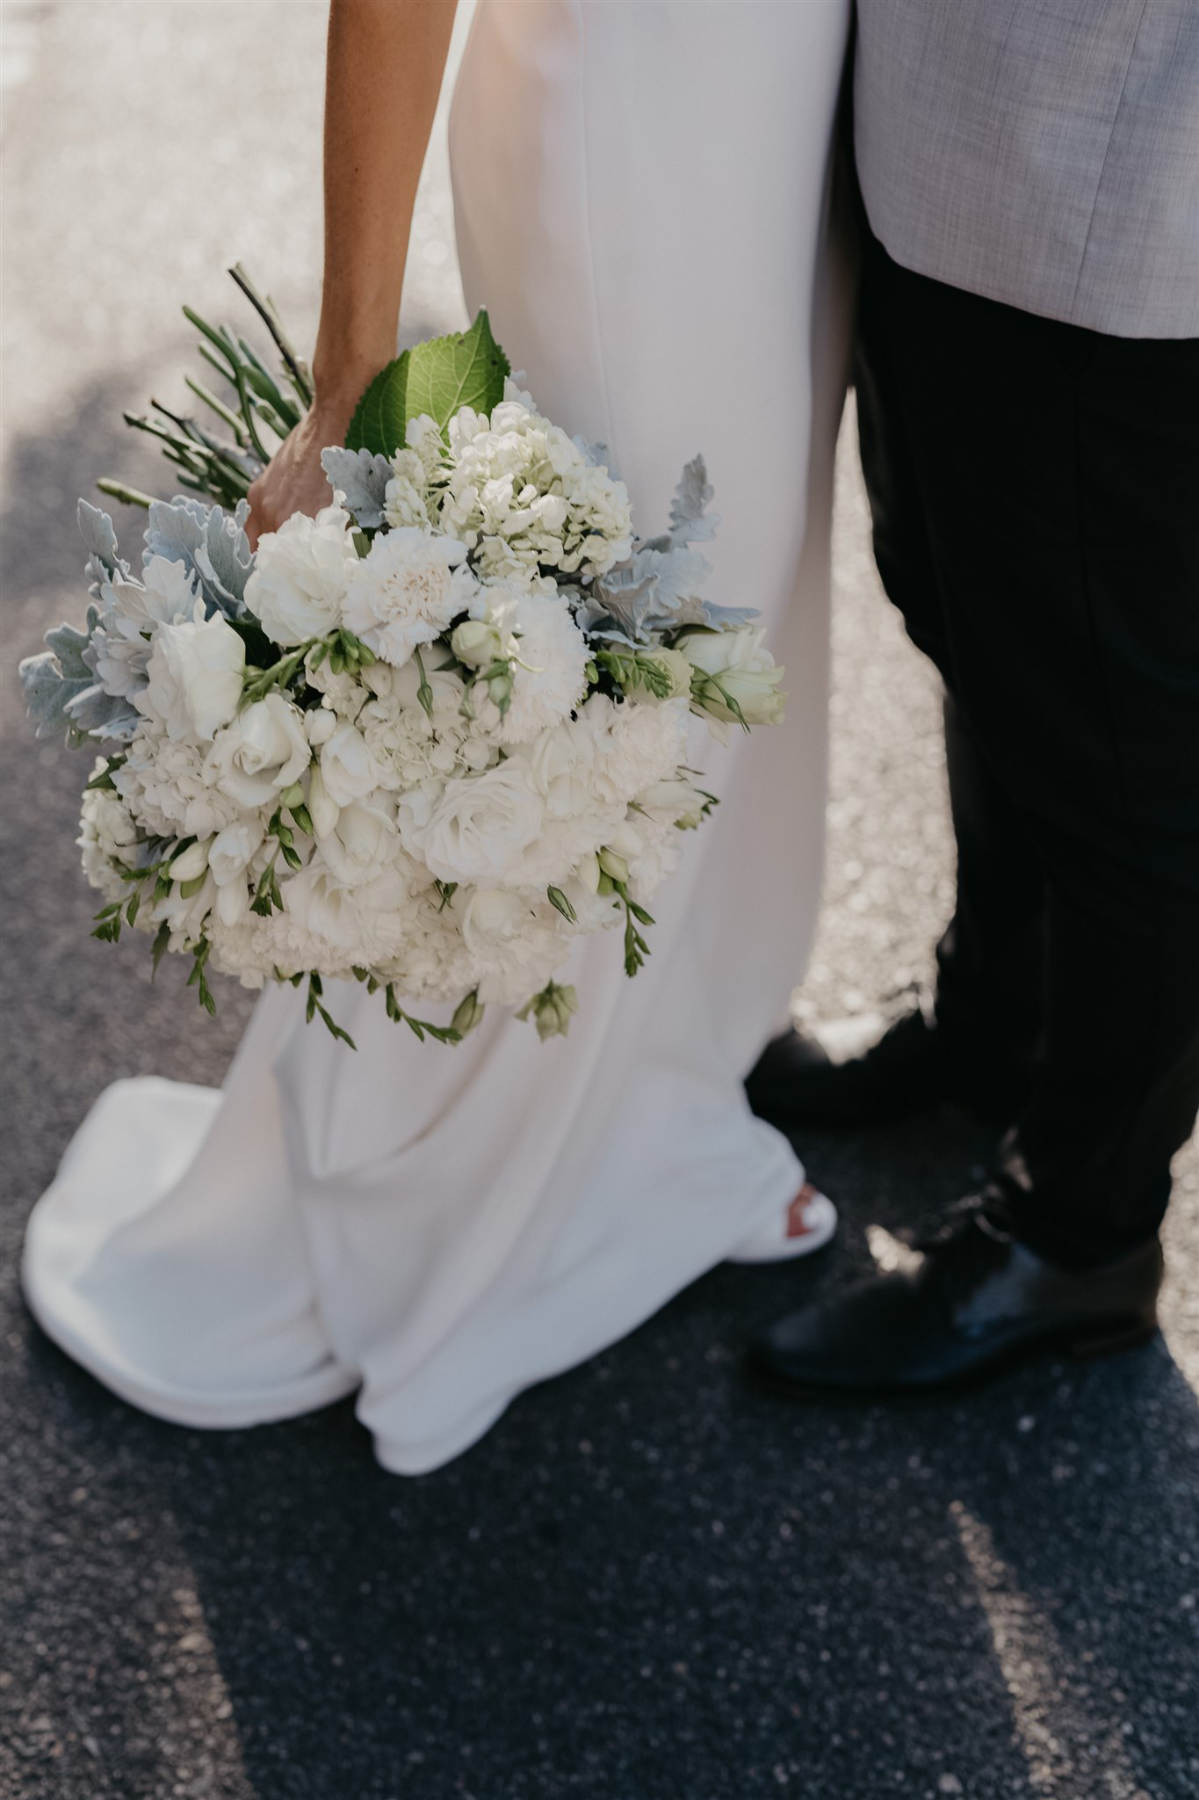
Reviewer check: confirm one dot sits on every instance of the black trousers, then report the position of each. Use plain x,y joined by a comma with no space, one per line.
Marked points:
1035,497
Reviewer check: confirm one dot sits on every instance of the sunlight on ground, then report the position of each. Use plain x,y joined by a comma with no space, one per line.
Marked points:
1060,1738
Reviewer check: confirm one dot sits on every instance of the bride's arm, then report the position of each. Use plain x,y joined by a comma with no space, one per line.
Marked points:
384,68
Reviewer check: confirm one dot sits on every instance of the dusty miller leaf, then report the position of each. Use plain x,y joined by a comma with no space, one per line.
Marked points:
362,476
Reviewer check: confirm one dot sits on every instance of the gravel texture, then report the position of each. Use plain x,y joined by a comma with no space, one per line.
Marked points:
648,1583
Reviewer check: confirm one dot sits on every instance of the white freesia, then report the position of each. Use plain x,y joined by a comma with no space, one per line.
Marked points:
743,677
232,850
348,770
262,752
195,674
300,574
406,591
360,846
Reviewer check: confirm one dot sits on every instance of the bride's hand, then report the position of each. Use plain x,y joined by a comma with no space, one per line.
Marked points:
293,481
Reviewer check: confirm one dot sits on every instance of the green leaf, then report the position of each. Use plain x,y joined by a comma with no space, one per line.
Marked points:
436,378
447,373
379,419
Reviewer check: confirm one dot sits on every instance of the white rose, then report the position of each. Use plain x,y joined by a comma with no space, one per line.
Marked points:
360,846
262,752
348,770
300,574
195,675
740,670
479,828
231,850
405,593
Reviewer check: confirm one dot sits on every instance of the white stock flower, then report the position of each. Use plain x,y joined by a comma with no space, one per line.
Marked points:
195,675
404,594
300,574
478,829
740,670
263,751
411,497
106,830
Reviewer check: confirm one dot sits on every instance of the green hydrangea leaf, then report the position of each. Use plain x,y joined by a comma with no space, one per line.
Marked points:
435,379
380,418
447,373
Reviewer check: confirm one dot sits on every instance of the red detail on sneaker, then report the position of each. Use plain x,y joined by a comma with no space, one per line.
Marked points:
797,1221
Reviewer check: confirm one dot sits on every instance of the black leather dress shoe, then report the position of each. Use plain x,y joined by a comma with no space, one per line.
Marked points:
849,1075
967,1303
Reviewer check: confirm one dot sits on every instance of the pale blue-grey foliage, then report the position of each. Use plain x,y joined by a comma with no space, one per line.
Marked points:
362,476
63,695
658,588
211,544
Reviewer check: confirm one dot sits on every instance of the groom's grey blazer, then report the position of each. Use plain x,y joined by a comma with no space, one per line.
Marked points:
1041,152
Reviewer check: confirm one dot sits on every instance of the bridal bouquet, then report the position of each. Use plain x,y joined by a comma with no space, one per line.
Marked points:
425,739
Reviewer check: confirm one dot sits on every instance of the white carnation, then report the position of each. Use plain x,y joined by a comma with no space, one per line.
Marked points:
515,941
300,574
407,591
551,658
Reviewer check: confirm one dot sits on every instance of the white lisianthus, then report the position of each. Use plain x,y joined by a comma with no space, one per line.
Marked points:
232,850
480,827
742,677
562,761
300,574
406,591
348,770
262,752
195,672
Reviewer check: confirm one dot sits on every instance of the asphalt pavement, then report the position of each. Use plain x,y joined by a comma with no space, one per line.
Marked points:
648,1582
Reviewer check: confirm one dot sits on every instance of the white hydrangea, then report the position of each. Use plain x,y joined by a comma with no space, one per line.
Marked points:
107,829
167,788
524,497
407,591
412,494
300,574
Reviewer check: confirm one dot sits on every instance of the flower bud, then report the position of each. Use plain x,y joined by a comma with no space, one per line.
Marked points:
319,725
191,864
468,1013
551,1010
674,666
292,796
476,643
613,866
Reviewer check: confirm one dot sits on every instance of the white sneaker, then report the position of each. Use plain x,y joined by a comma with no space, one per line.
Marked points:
803,1227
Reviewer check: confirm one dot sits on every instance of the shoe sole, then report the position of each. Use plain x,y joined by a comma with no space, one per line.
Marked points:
1082,1346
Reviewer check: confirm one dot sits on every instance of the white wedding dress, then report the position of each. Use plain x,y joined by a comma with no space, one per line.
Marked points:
641,195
